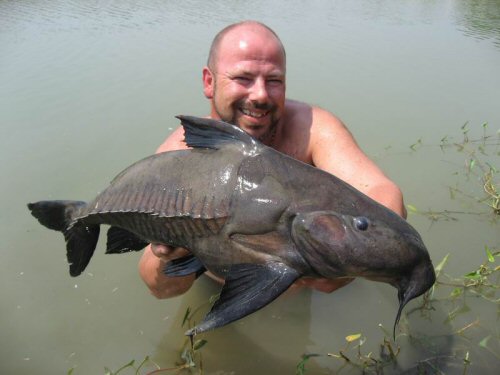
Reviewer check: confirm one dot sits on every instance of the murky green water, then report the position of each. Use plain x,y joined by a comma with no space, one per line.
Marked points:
88,87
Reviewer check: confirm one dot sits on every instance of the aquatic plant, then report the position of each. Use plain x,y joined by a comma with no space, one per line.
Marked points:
477,167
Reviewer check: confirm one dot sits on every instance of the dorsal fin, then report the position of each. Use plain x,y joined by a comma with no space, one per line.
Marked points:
208,133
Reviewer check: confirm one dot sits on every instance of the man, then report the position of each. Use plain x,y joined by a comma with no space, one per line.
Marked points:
244,80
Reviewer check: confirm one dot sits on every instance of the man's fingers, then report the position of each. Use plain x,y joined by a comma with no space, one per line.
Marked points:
161,250
166,252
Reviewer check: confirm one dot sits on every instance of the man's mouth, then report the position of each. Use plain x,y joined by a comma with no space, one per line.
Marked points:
253,114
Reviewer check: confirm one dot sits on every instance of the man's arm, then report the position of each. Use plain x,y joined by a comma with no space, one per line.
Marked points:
333,149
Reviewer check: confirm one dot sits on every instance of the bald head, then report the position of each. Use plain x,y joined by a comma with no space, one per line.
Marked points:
236,35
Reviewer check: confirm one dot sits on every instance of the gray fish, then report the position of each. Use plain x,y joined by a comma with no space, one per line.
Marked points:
249,214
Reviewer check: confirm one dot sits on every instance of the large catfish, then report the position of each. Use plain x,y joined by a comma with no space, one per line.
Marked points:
249,214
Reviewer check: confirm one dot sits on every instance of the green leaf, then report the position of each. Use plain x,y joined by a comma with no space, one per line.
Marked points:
412,208
456,292
352,338
472,164
484,342
186,316
491,258
301,366
473,275
441,264
199,344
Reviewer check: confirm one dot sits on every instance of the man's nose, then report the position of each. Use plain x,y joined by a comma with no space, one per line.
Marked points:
258,91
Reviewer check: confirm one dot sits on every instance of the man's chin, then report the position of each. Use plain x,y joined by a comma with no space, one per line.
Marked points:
253,126
255,131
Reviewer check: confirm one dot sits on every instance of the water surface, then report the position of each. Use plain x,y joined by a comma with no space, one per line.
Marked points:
88,87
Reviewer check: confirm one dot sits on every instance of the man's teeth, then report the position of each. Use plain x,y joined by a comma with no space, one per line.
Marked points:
253,114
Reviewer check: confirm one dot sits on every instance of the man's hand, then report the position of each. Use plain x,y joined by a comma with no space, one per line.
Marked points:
323,285
152,267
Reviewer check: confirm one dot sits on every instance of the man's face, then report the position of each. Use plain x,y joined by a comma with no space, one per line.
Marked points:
248,84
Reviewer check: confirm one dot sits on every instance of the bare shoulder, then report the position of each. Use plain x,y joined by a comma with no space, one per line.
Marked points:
333,148
174,141
308,128
327,127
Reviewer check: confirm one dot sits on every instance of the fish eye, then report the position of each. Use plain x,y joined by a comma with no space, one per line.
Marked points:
361,223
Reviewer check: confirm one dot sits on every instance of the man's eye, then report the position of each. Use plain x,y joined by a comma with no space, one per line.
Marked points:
242,79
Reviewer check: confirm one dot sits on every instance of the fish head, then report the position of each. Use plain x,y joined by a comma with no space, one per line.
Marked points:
382,247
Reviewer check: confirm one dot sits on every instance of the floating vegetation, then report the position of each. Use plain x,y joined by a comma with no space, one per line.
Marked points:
351,355
478,168
301,366
129,366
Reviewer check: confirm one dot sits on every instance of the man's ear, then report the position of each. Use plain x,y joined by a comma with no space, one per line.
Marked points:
208,83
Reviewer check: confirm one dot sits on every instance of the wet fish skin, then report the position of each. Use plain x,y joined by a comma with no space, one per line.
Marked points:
249,214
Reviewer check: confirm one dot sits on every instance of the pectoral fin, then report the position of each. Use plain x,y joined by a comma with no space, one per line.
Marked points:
248,288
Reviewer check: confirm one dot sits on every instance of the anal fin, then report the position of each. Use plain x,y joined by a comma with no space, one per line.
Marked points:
184,266
121,241
248,288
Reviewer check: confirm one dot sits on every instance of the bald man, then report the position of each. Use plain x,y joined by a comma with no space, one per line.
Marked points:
244,80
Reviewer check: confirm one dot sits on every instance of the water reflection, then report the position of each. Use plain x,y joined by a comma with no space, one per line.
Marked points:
479,19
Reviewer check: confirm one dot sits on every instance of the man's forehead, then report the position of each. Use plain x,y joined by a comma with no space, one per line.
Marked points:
257,43
252,67
243,55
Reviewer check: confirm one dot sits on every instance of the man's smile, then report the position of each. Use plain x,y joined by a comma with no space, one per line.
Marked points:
254,114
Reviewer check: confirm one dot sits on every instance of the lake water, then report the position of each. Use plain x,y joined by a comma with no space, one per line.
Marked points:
88,87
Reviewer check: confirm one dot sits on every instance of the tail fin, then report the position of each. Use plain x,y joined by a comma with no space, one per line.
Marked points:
81,239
